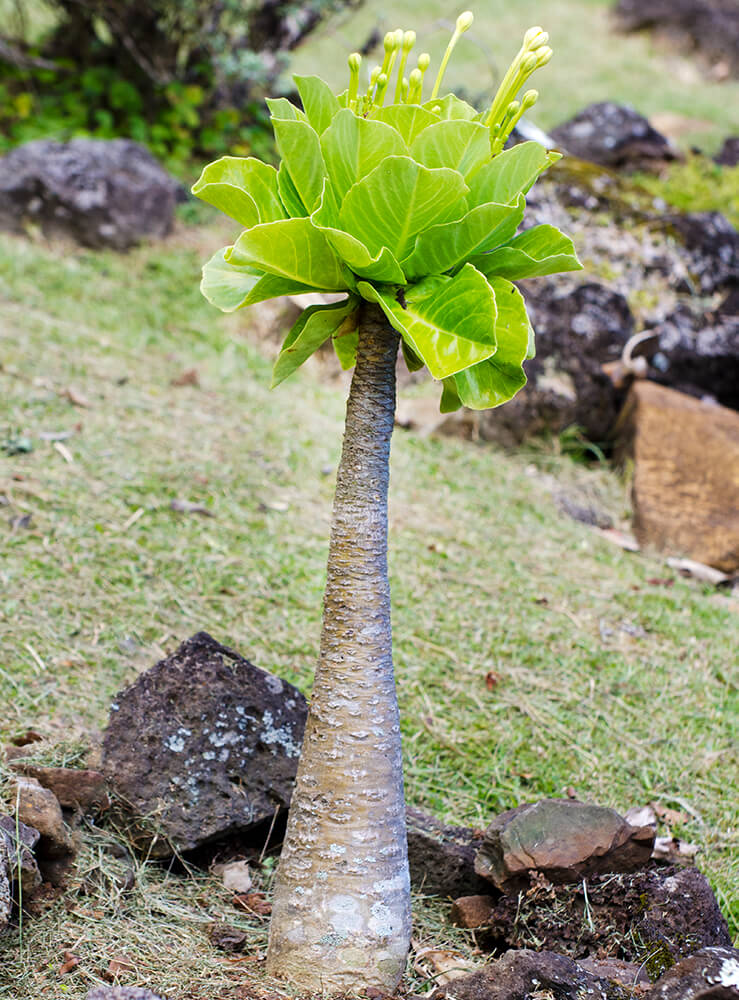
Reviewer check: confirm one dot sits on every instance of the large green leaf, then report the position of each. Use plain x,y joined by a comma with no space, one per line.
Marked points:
461,145
381,267
345,341
289,194
498,378
318,101
397,201
452,108
313,328
510,173
441,248
294,249
407,119
231,286
244,189
448,322
281,108
353,146
537,251
300,148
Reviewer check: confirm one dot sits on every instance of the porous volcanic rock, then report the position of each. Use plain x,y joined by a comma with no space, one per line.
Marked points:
613,135
564,840
39,808
709,974
685,456
100,192
203,745
728,155
713,245
711,26
524,974
442,858
20,841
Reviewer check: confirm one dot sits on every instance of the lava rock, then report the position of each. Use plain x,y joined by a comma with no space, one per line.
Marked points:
713,245
562,839
613,135
39,808
471,911
728,155
711,26
20,841
442,858
122,993
100,192
685,456
6,898
523,974
75,788
578,330
203,745
709,974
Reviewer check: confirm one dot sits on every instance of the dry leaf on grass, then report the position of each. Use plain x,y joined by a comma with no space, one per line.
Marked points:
69,962
441,965
235,875
188,377
76,398
674,850
187,507
672,817
253,902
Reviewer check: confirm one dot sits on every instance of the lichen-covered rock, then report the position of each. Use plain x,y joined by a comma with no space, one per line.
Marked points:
709,974
203,745
524,974
6,899
613,135
100,192
20,841
562,839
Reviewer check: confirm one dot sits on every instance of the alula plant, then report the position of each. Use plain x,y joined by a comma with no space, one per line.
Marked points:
411,207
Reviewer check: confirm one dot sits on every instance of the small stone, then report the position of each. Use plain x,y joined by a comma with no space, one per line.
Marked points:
227,938
709,974
236,876
471,911
20,841
615,970
563,839
38,807
203,745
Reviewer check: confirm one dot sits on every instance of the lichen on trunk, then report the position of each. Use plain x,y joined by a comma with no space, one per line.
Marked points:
341,910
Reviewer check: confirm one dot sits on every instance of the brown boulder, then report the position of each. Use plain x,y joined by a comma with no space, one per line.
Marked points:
563,839
75,788
471,911
686,473
38,807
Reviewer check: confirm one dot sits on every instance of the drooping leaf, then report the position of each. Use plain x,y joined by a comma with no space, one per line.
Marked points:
281,108
300,148
381,267
498,378
510,173
397,201
407,119
412,360
352,147
441,248
450,400
289,194
448,322
243,188
294,249
318,99
314,327
535,252
452,108
231,286
346,340
461,145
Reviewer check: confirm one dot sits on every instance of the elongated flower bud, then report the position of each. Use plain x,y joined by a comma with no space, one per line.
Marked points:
415,83
381,88
463,23
533,54
535,37
355,61
409,40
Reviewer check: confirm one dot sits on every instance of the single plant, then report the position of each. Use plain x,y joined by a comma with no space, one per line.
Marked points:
411,207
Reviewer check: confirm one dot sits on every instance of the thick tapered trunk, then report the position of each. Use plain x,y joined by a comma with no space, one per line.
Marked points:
341,910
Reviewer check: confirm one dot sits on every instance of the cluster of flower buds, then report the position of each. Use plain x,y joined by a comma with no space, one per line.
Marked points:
505,112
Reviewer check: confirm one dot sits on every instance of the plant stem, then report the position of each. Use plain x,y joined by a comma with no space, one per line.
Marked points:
341,910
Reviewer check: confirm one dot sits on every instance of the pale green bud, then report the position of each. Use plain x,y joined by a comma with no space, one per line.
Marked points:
528,100
529,64
423,61
409,40
543,56
389,41
533,35
355,61
464,21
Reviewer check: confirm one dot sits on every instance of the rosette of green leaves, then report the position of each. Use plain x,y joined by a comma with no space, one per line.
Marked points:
404,206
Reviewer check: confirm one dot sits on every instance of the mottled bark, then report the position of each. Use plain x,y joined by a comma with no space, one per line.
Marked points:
341,912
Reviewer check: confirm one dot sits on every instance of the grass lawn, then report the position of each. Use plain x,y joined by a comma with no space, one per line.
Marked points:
592,62
606,681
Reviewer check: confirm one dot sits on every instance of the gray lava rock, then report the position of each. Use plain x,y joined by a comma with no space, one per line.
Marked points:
578,330
442,858
728,155
613,135
20,841
100,192
713,245
524,974
122,993
562,839
709,974
712,26
203,745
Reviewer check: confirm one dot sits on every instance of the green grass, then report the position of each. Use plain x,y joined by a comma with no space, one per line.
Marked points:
486,576
592,61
